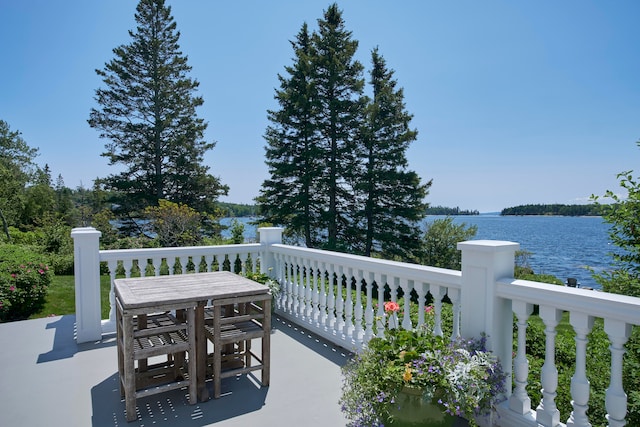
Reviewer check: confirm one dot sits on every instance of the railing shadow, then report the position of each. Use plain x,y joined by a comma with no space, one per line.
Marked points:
313,342
64,340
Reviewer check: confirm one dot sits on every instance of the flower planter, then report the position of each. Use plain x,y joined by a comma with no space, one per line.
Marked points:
411,410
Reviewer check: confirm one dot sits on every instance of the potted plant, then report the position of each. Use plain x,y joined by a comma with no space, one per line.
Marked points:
412,377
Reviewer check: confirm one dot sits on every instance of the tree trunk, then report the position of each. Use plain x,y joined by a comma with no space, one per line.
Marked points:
5,226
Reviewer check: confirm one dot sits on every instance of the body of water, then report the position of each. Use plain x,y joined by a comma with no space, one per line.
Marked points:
561,246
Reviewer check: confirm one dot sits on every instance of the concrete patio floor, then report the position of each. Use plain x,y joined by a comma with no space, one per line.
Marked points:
49,380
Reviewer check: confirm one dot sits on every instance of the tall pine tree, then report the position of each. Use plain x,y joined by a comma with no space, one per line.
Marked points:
339,82
148,112
337,159
392,195
292,152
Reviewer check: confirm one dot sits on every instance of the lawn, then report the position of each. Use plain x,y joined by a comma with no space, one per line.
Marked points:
61,297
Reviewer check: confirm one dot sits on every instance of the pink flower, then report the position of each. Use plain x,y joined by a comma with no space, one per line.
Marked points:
13,275
429,309
41,271
391,307
12,288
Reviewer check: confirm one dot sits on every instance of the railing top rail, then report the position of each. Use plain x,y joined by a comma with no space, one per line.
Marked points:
112,254
597,304
415,272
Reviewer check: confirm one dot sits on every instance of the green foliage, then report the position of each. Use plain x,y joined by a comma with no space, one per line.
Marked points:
338,172
387,222
103,222
237,232
147,111
16,171
556,209
624,217
440,240
24,280
175,224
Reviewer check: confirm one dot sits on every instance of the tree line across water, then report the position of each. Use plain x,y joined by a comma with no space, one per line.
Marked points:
554,209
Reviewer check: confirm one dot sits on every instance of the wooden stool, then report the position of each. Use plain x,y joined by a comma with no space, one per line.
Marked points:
141,337
231,334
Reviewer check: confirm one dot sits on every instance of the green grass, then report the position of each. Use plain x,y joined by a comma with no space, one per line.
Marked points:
61,297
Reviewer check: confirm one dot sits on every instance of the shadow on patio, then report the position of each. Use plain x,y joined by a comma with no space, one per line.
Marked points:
50,380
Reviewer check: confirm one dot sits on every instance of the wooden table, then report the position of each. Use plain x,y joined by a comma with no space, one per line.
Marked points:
145,295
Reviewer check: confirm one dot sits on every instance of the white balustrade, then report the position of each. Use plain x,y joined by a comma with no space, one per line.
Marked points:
341,298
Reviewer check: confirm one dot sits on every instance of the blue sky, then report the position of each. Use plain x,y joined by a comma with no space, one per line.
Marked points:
515,101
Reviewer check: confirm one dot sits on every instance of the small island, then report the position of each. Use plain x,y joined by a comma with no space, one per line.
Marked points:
553,209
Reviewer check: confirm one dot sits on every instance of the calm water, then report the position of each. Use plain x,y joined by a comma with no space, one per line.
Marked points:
561,246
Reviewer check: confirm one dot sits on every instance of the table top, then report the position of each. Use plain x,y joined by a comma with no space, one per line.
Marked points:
174,290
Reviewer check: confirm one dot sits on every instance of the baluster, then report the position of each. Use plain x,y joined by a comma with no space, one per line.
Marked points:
380,317
368,312
406,321
295,285
302,284
171,262
209,260
127,264
438,293
142,265
421,291
157,265
616,398
290,290
315,296
280,275
323,296
306,294
357,324
454,296
339,301
331,306
243,263
547,413
582,324
254,261
308,306
519,400
347,330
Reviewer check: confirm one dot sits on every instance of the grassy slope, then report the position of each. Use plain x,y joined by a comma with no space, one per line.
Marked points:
61,297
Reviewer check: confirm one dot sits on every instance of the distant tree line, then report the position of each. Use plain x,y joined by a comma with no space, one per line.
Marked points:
442,210
237,210
555,209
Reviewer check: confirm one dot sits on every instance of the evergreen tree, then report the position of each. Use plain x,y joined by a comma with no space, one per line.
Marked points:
148,112
292,153
392,195
339,84
17,169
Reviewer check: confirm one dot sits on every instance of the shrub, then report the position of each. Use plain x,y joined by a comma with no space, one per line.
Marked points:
23,283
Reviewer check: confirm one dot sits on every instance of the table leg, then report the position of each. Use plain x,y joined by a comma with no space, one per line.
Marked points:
129,368
201,354
266,343
193,366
